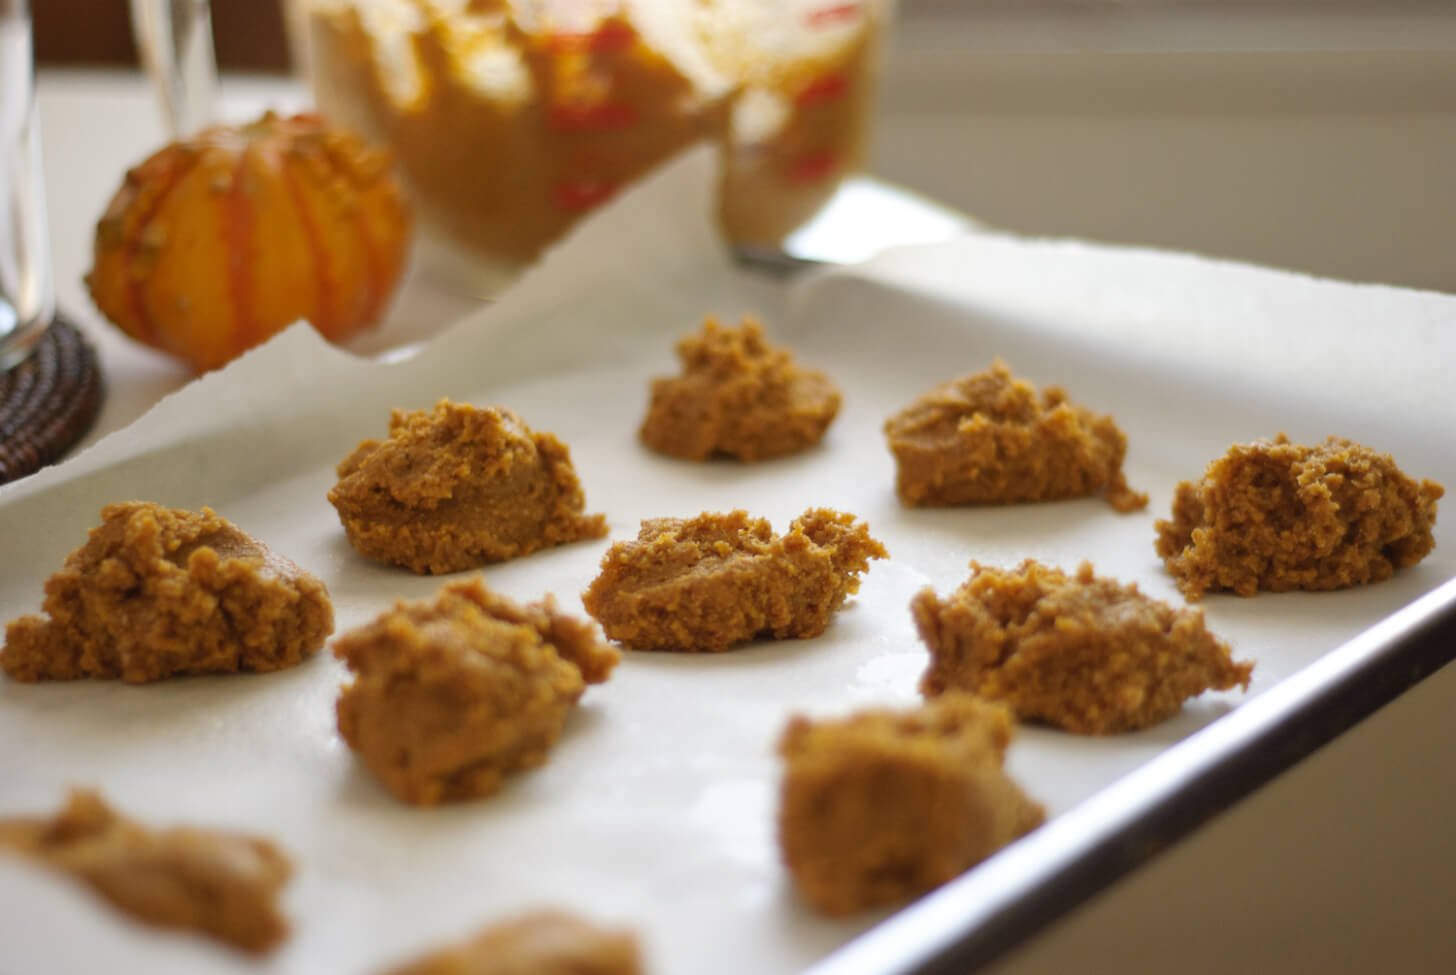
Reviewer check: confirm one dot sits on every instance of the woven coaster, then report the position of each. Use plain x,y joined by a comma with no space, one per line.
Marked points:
48,402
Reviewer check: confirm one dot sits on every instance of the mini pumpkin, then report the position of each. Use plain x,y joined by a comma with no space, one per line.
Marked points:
216,242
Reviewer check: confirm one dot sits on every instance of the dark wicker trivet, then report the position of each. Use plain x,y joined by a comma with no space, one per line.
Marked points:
48,402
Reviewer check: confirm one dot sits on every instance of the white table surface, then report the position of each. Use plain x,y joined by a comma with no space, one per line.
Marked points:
1345,864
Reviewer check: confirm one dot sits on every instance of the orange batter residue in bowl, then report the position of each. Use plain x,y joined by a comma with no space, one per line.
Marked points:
512,118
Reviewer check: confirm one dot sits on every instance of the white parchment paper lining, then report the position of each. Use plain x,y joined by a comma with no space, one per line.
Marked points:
656,810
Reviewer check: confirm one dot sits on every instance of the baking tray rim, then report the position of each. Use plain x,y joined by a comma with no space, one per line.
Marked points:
975,919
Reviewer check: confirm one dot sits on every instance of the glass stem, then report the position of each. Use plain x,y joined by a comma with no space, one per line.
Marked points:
175,38
27,290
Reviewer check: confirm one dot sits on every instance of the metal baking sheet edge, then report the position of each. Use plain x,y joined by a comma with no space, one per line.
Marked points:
998,905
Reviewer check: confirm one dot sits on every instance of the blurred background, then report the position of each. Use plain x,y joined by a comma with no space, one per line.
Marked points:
1317,135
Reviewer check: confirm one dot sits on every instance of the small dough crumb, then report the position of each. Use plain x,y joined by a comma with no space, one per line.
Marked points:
987,438
458,487
885,805
543,943
738,397
453,695
1276,516
158,592
223,885
1088,655
716,580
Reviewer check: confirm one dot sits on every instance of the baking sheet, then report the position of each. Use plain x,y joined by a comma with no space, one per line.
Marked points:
656,809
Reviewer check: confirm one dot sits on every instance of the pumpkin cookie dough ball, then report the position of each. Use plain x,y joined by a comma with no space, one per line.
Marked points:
223,885
738,397
543,943
1087,655
450,696
883,806
988,438
707,583
459,487
157,592
1275,516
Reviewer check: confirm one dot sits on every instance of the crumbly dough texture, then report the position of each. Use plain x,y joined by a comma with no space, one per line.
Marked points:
716,580
886,805
738,396
1084,654
542,943
452,695
458,487
157,592
1276,516
989,438
219,884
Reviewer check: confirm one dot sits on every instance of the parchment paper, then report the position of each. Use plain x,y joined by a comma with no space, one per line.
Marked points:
656,809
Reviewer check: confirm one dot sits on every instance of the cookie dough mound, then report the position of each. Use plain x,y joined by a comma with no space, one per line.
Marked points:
223,885
707,583
1276,516
543,943
738,397
988,438
1087,655
459,487
157,592
452,695
886,805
